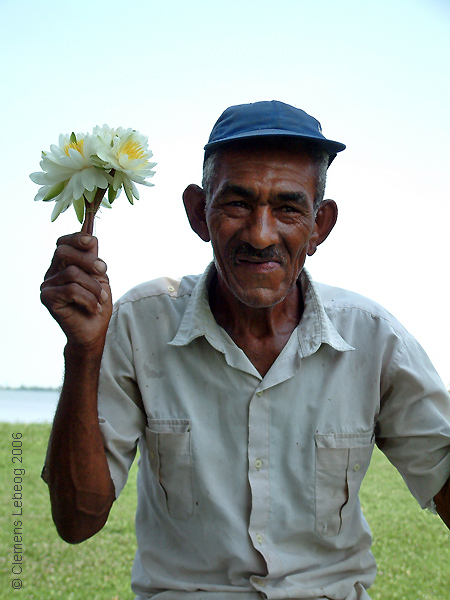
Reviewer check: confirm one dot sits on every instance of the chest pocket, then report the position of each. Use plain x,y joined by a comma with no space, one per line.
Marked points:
342,460
168,444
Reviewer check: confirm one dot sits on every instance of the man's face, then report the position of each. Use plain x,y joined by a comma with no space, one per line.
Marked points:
261,222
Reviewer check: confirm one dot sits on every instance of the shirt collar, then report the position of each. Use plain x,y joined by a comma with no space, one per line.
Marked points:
315,327
198,319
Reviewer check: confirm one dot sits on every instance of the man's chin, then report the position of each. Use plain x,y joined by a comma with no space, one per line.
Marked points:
259,298
255,289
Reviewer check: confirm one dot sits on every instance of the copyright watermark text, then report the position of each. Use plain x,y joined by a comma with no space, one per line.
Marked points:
17,510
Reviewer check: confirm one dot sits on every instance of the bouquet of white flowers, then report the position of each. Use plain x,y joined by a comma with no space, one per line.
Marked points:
83,167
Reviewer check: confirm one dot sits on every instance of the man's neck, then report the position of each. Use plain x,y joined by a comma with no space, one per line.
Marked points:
261,333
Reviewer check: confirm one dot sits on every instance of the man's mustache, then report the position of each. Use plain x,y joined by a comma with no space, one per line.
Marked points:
246,250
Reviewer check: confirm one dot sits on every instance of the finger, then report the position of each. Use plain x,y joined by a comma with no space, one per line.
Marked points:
66,255
73,274
80,240
58,298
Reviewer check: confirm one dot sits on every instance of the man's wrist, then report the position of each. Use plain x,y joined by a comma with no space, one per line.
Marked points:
84,353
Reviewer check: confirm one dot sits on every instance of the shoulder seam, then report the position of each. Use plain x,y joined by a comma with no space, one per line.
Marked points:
401,334
147,297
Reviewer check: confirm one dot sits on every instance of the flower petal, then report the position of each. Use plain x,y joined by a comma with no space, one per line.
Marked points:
88,179
129,194
76,185
90,195
101,180
41,193
118,179
105,203
112,194
59,208
134,191
54,191
79,208
40,178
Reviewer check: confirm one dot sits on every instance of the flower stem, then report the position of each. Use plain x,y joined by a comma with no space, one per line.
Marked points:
92,208
88,224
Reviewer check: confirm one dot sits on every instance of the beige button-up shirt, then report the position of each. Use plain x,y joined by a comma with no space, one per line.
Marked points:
248,485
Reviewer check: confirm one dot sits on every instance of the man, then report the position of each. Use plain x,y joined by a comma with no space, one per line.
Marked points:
255,395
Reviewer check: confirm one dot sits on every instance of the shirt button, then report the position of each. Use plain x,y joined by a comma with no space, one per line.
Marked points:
259,394
357,467
170,288
259,538
258,464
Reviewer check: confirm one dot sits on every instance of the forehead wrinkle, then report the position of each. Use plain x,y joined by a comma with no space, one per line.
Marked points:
299,198
237,190
296,197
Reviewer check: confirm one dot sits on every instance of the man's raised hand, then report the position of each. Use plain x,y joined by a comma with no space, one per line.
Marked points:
76,291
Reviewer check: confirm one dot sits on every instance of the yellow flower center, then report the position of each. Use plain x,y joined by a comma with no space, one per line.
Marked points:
78,146
133,149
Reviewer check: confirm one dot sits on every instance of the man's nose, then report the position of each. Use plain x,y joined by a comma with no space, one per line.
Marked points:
261,230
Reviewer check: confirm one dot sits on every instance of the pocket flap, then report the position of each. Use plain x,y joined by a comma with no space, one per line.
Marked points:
169,425
344,440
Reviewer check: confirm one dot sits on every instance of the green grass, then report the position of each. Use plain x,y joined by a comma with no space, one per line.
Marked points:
412,547
98,569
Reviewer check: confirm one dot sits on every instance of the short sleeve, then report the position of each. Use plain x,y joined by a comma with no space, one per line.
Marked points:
121,413
413,427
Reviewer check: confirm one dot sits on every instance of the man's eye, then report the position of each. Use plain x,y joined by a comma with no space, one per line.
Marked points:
237,204
289,209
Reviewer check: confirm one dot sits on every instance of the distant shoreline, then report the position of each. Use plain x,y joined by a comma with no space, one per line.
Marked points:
27,388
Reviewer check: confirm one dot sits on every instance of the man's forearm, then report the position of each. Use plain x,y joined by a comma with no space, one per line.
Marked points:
81,489
442,501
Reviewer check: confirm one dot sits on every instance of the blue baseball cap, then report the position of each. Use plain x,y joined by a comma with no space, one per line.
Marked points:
268,119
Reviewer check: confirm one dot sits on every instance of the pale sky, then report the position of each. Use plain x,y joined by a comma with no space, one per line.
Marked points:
375,73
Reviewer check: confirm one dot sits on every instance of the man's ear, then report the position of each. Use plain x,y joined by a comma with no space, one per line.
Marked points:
325,221
194,203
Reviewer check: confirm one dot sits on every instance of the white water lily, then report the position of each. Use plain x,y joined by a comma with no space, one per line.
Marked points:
126,152
82,167
68,173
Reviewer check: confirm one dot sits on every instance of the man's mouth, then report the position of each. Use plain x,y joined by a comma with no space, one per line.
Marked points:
254,260
257,265
246,254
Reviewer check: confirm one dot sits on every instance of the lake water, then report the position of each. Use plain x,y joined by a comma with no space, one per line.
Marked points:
27,406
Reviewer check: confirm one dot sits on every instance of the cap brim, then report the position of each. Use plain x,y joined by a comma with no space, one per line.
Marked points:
330,146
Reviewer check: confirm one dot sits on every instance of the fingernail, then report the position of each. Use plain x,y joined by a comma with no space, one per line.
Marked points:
100,266
85,239
104,296
99,307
